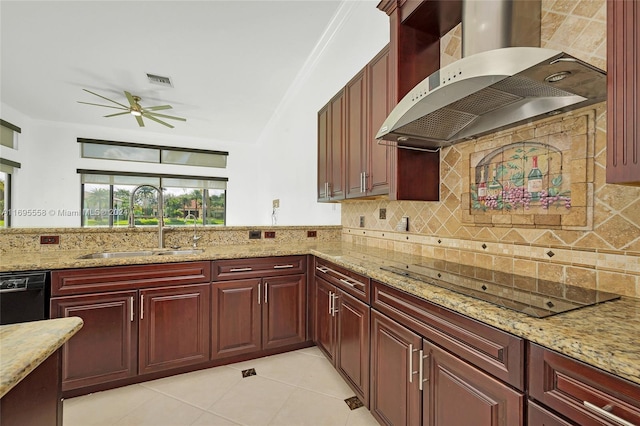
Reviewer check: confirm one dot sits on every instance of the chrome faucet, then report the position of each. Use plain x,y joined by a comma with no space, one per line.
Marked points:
132,218
195,237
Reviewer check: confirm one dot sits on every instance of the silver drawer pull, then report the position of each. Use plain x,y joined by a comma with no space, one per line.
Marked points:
349,283
608,415
282,266
410,362
240,269
322,269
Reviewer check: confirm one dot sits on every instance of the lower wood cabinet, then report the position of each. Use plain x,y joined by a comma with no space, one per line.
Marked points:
138,319
106,347
253,314
582,394
174,327
342,333
413,382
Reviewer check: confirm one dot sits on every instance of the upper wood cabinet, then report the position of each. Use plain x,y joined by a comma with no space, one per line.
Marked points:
623,84
331,149
368,102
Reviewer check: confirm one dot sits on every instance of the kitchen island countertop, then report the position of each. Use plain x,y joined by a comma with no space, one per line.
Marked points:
24,346
606,335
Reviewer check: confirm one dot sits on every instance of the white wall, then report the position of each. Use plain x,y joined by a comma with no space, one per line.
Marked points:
281,165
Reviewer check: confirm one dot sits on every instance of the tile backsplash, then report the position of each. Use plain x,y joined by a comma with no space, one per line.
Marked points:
595,245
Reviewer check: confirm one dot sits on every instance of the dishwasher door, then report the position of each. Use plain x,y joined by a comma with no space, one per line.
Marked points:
24,296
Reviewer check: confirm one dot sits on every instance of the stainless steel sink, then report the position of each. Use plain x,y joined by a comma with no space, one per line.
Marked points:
178,252
111,254
116,254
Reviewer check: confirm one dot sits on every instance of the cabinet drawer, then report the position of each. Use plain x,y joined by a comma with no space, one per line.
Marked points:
494,351
257,267
540,416
355,284
92,280
580,391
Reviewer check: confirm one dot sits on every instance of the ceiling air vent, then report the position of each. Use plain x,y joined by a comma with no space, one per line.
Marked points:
158,79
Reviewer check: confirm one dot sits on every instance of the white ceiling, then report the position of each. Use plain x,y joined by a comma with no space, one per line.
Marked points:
231,62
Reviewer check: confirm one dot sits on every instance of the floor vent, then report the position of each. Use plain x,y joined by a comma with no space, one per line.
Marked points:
354,402
249,372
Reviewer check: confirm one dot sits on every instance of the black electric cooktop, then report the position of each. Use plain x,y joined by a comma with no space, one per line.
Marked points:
533,296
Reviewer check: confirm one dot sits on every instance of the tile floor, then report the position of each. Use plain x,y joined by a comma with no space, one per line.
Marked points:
290,389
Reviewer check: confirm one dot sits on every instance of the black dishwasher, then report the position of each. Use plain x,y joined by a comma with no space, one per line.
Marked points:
24,296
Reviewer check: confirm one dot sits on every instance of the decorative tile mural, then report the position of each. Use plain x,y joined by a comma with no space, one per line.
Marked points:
522,177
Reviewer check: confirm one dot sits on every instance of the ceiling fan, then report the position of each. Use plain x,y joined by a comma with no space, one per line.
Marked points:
134,108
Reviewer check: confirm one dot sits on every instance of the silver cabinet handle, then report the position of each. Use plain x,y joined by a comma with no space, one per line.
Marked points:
322,269
349,283
240,269
333,304
410,362
421,369
259,298
131,309
266,292
330,301
282,266
142,306
604,413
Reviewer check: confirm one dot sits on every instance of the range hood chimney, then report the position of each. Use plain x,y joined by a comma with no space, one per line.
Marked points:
504,79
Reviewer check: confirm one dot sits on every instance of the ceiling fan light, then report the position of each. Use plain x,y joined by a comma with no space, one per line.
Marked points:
136,113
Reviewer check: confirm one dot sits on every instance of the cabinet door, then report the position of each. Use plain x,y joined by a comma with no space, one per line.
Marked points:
455,393
395,396
174,327
336,142
105,348
623,106
352,358
356,135
235,314
324,156
379,156
284,311
324,324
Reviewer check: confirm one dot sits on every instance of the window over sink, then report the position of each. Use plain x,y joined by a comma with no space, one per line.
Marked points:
188,200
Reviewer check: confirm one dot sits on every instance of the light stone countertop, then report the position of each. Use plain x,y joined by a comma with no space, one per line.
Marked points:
24,346
606,335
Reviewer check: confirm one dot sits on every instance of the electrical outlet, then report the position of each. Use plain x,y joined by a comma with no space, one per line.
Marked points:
276,203
269,234
382,214
255,235
403,225
49,239
312,234
361,221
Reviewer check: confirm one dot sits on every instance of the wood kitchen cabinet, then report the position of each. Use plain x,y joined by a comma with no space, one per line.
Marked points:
427,362
413,381
264,308
368,102
331,149
342,324
623,83
135,321
174,327
582,394
106,347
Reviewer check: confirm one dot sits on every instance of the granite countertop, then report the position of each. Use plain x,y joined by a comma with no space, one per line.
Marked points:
24,346
606,335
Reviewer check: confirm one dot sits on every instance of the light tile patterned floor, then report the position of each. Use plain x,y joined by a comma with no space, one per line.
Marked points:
290,389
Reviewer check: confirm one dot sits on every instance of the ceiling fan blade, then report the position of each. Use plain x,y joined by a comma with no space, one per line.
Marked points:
106,106
139,120
110,100
150,117
130,98
148,114
117,113
157,108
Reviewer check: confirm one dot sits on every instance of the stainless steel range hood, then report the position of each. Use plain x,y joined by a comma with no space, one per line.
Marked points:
494,89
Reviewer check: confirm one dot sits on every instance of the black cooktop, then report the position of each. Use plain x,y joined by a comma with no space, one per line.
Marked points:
530,295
